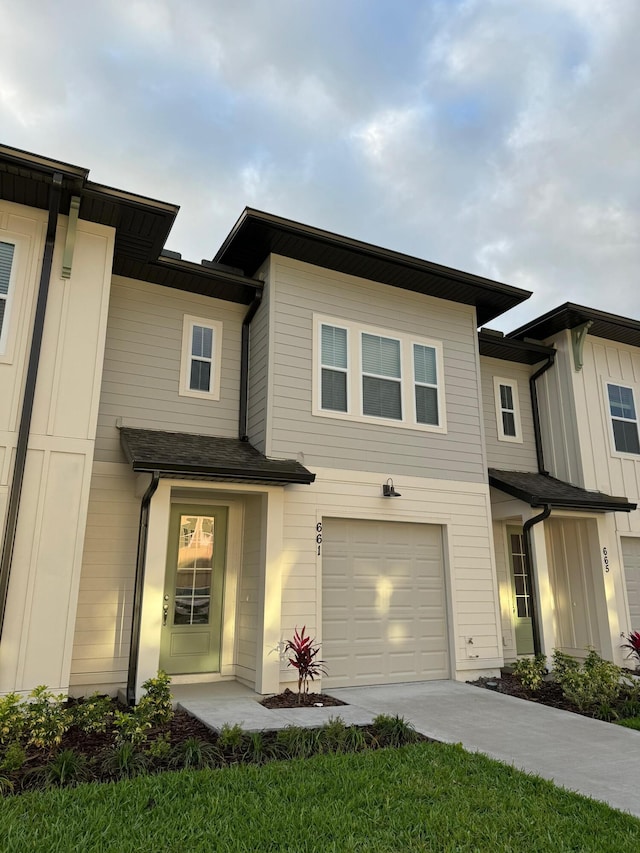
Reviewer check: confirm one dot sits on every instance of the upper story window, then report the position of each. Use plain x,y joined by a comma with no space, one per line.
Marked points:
201,356
375,376
507,409
6,264
624,420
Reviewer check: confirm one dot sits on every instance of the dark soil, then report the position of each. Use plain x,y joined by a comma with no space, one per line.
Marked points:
549,693
289,699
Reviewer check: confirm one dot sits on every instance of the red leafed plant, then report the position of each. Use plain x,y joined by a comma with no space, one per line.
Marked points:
304,658
633,644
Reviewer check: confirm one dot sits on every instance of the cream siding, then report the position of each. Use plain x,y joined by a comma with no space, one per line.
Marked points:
508,455
249,605
298,291
259,373
503,571
141,377
462,510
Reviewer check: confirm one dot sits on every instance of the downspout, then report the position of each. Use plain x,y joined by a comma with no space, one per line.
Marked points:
13,504
141,560
536,412
526,536
244,366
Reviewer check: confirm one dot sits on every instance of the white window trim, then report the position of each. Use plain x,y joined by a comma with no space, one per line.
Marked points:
513,384
10,301
623,454
216,357
354,376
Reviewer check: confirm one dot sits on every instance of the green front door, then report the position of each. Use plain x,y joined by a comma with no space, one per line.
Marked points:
194,583
521,588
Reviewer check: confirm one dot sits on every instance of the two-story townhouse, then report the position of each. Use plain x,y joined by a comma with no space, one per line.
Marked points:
290,434
589,429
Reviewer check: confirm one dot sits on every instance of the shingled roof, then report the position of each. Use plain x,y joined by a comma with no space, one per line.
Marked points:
207,457
543,490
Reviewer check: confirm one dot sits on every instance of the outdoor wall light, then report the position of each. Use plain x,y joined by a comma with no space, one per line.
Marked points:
388,490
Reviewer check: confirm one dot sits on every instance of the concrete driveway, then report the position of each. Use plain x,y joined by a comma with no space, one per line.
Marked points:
597,759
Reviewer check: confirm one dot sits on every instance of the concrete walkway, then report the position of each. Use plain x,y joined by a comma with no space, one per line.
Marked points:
593,758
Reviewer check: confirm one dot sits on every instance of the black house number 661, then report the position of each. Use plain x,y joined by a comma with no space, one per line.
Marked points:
319,535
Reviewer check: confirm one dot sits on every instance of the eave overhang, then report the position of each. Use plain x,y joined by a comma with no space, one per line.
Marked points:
542,490
256,235
495,345
612,327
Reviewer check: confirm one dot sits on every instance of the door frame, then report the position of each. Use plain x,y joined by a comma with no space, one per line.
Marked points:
509,529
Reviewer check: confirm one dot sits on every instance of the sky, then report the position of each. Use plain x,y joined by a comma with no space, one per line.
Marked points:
499,137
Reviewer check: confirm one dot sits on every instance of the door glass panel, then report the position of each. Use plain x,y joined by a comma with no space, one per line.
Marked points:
193,572
522,586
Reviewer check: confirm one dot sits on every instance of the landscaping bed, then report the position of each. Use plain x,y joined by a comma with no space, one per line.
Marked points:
289,699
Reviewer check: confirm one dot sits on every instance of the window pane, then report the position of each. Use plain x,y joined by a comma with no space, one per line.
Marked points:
523,607
6,259
381,356
625,434
381,398
427,405
621,402
334,346
424,362
334,390
506,396
508,423
516,543
201,343
200,376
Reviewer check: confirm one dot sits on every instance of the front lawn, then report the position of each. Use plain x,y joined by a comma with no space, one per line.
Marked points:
428,796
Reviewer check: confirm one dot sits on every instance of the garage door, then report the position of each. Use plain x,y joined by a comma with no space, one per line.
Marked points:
383,603
631,557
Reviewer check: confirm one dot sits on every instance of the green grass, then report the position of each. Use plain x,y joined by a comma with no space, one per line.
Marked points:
630,723
423,797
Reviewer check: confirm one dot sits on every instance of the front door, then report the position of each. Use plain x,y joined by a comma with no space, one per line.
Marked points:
194,583
521,589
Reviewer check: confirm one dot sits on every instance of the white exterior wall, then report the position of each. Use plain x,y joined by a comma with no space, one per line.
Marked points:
41,608
464,512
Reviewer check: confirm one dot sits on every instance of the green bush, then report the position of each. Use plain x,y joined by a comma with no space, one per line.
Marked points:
595,687
194,754
156,705
12,718
66,768
130,728
47,718
13,758
93,714
563,663
531,671
393,731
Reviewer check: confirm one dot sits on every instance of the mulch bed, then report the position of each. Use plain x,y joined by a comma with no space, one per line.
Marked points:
289,699
549,693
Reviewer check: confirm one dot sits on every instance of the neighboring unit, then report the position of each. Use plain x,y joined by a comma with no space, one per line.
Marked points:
307,430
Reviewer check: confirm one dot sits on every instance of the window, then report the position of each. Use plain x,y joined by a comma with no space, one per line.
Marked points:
201,354
372,375
623,418
507,409
6,264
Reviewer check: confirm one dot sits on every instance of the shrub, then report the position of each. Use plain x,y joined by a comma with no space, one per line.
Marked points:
393,731
160,749
304,659
130,727
595,687
333,735
13,758
195,754
66,768
255,749
93,714
124,761
297,742
12,718
231,739
531,671
633,645
47,718
563,663
156,705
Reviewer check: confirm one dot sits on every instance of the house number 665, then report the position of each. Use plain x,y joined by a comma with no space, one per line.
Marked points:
605,558
319,535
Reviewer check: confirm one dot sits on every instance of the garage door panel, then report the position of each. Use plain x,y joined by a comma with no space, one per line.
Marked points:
384,599
631,558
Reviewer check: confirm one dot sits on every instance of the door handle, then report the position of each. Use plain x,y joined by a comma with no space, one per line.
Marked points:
165,613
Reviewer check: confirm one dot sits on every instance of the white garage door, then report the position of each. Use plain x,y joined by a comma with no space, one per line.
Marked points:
383,603
631,557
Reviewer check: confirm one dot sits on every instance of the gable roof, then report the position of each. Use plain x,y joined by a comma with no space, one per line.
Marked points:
613,327
142,225
540,489
206,457
257,234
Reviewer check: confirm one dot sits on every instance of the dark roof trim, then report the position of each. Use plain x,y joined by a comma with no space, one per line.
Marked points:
494,345
612,327
203,457
541,490
257,234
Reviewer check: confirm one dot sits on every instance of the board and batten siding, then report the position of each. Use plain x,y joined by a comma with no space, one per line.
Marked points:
141,377
257,404
298,290
463,511
604,468
103,621
503,572
507,455
248,615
